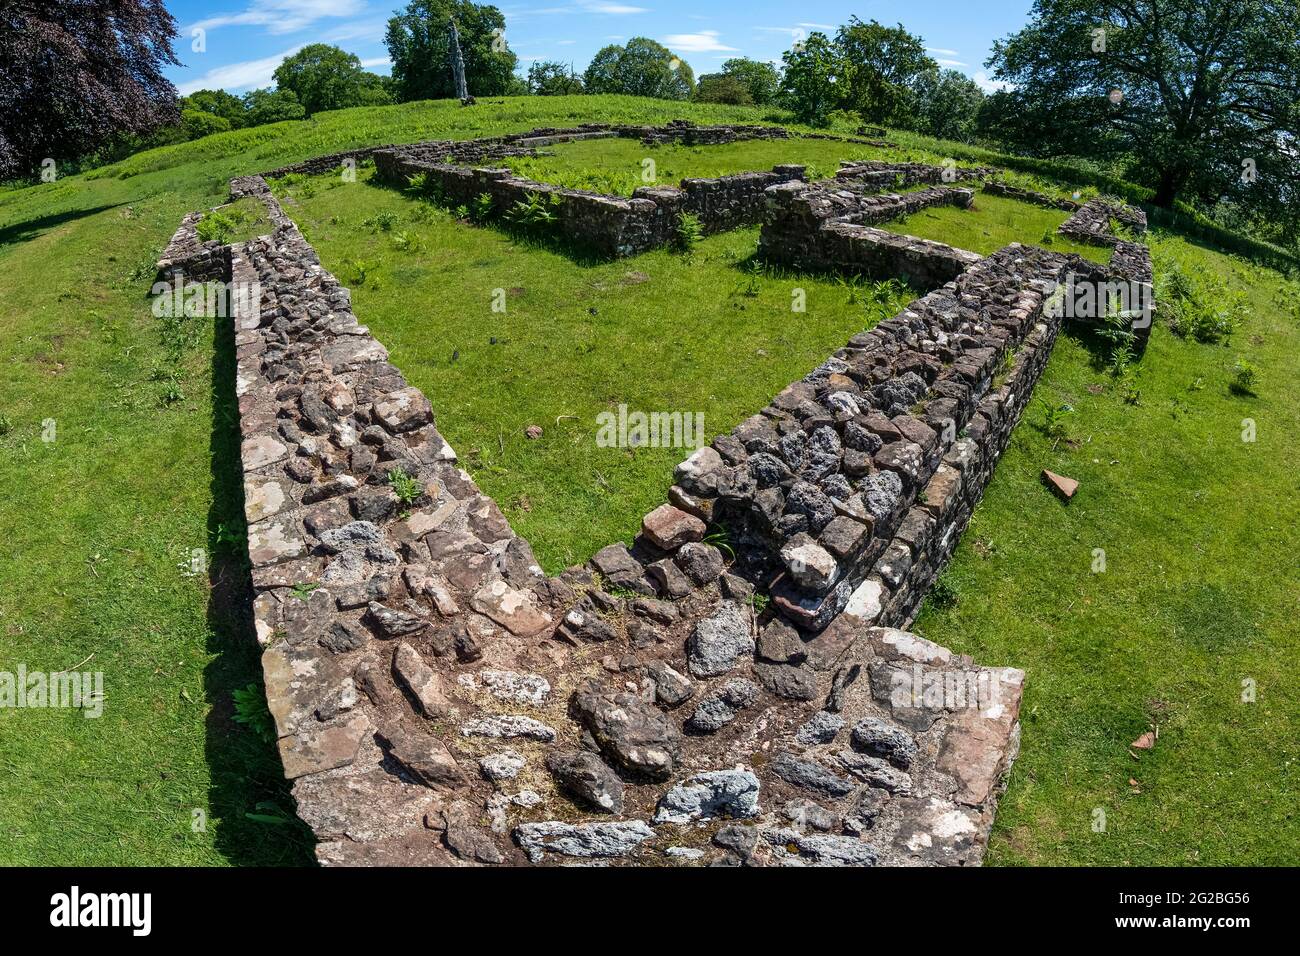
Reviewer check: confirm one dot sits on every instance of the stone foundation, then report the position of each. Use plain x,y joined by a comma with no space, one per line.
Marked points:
813,227
440,701
609,226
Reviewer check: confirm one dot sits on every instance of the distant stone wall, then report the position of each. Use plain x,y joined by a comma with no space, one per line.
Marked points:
607,225
877,174
1028,195
827,230
1091,221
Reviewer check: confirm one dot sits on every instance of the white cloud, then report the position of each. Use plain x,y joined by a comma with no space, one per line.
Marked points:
612,8
818,26
238,76
946,62
988,85
376,61
704,42
939,49
282,16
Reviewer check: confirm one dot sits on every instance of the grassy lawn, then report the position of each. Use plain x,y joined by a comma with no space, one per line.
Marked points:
990,224
1198,595
660,332
618,166
101,523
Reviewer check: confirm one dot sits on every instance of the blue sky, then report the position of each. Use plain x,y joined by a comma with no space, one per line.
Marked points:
246,39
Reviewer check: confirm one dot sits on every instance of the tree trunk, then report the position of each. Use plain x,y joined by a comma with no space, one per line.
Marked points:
1169,185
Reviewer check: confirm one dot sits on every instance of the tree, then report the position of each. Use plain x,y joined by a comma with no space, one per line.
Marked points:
324,77
78,76
1201,94
272,106
882,67
417,41
217,103
809,83
761,79
196,123
947,105
723,88
641,68
551,78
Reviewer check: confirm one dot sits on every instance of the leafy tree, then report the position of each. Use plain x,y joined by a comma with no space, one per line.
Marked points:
418,44
723,88
809,83
77,76
761,79
1202,94
882,67
324,77
218,103
551,78
272,106
947,105
641,68
196,123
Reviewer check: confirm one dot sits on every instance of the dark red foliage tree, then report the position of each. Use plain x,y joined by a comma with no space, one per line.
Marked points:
75,73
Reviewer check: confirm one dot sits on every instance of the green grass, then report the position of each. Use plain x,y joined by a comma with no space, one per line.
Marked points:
618,166
575,340
99,525
991,223
1198,595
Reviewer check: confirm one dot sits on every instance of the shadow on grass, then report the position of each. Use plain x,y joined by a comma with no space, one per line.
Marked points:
250,798
26,231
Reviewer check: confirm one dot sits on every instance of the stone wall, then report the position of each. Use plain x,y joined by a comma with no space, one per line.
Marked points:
1028,195
187,258
854,485
823,229
438,700
607,225
1091,221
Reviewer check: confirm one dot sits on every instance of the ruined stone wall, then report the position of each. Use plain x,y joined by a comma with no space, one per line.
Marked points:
1028,195
1091,221
822,229
856,482
877,174
607,225
438,700
189,259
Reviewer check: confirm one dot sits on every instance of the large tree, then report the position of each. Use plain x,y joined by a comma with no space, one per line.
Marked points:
760,78
947,104
552,78
218,103
641,68
1201,95
324,77
881,68
418,44
810,82
77,75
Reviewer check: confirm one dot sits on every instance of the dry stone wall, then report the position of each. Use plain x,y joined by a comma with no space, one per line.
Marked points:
607,225
439,700
822,228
